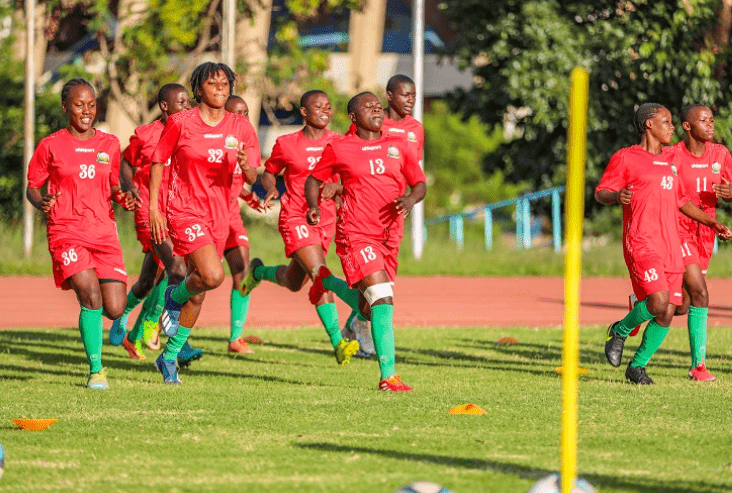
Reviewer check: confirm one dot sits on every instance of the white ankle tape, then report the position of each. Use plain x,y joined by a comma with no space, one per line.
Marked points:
378,292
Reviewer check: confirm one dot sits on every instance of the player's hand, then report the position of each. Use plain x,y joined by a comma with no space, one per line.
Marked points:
241,156
329,190
271,195
404,205
136,194
722,231
158,226
252,201
625,195
723,190
129,202
313,215
49,200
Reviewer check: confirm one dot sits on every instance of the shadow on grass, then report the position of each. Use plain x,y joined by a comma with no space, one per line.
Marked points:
598,480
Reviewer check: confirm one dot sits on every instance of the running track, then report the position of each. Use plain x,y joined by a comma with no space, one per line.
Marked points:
34,302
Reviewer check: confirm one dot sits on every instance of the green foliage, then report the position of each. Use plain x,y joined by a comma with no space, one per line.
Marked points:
523,51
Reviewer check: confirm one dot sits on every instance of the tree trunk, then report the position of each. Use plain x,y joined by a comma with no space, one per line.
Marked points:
366,31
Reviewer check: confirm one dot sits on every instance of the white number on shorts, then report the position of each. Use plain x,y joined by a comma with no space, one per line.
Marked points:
667,182
699,183
87,171
69,256
379,168
368,254
302,232
312,162
685,251
194,232
650,275
215,155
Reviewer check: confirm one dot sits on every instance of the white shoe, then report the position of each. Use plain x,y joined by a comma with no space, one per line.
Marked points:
361,330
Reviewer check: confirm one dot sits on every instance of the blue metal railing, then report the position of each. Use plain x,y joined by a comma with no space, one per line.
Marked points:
523,219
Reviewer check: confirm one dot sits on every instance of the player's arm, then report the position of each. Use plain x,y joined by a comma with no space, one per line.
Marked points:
39,200
125,179
698,215
269,182
405,204
331,190
312,194
158,226
724,189
416,180
622,196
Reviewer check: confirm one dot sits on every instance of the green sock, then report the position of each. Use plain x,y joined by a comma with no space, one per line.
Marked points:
91,328
239,309
172,347
132,302
181,294
637,316
697,323
653,336
136,332
157,308
342,290
265,273
382,329
328,314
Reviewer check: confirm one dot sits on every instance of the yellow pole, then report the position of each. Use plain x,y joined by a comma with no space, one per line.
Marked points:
575,205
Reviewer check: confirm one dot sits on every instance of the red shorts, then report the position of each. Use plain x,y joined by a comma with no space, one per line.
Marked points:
297,233
361,256
648,276
237,232
190,233
697,247
70,258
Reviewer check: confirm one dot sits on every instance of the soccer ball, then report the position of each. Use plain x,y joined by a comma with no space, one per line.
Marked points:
552,484
423,487
2,461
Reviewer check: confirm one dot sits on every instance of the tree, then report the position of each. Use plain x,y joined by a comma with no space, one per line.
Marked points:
671,52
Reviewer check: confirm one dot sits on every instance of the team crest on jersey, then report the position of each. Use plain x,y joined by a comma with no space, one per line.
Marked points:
674,170
716,167
103,157
392,152
411,137
231,142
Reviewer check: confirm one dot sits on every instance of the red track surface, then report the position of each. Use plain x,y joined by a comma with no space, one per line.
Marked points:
420,302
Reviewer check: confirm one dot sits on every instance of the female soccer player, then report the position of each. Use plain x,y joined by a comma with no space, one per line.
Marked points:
135,175
643,178
205,145
297,155
706,171
80,165
375,169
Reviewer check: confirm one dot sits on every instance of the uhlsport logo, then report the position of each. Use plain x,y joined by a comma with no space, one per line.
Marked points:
674,170
411,137
716,168
392,152
231,142
102,157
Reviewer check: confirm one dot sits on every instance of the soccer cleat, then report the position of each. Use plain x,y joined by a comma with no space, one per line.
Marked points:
133,348
344,350
151,334
317,290
170,319
638,375
394,384
614,346
118,330
240,346
362,333
168,370
249,282
187,355
97,380
701,374
632,301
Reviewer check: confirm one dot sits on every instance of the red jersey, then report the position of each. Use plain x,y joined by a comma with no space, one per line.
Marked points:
298,156
84,172
254,160
139,154
650,220
700,173
203,162
408,128
374,173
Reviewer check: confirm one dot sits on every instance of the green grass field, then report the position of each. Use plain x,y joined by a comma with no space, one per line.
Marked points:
289,419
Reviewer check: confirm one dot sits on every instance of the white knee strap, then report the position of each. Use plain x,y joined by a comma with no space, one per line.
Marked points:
378,292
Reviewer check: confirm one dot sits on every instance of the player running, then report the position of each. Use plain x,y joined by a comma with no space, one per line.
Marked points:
207,144
644,180
305,245
375,169
706,171
80,165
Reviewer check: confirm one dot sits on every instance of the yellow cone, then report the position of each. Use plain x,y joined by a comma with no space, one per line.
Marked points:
467,409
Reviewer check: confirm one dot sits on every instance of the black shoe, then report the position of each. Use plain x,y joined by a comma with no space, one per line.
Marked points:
638,375
614,346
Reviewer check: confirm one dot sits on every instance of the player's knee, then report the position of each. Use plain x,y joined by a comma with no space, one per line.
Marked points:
699,298
91,300
144,285
681,310
198,299
657,304
212,279
114,310
379,294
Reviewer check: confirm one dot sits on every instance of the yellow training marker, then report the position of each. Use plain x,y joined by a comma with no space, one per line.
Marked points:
467,409
34,424
580,370
506,341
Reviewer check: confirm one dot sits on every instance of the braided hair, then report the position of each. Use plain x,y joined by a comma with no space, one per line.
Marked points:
309,94
645,112
209,69
685,112
397,80
73,83
351,108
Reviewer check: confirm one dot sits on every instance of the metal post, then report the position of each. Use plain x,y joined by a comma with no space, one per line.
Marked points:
459,232
418,56
556,221
519,224
488,226
228,35
453,227
30,119
527,223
